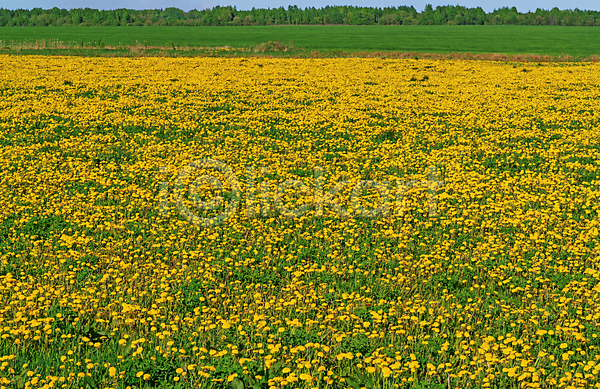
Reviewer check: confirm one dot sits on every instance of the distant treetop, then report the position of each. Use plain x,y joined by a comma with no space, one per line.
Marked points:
230,16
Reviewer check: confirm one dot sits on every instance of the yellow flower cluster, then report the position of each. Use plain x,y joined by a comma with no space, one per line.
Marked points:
105,282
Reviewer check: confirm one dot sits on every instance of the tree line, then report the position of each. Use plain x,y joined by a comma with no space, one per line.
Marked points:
230,16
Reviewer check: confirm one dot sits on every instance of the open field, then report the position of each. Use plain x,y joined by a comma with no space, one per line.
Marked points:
489,279
543,40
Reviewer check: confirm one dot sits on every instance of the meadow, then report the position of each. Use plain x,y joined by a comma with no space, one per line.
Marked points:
577,42
104,283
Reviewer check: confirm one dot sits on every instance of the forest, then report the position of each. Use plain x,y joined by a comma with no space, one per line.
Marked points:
293,15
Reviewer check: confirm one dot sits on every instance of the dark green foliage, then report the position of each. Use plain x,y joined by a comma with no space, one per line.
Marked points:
297,337
349,15
357,344
44,225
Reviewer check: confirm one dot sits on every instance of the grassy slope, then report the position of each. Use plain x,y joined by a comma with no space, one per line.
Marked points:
574,41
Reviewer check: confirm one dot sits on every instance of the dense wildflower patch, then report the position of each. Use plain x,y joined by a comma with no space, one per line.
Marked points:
105,283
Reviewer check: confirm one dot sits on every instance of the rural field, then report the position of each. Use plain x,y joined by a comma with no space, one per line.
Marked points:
484,275
555,41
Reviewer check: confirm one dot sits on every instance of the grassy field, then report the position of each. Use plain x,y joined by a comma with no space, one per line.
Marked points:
553,41
488,279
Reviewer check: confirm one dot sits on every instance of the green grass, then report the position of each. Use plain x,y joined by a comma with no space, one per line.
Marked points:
542,40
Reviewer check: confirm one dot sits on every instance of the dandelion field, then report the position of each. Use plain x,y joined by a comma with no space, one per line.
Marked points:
105,284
